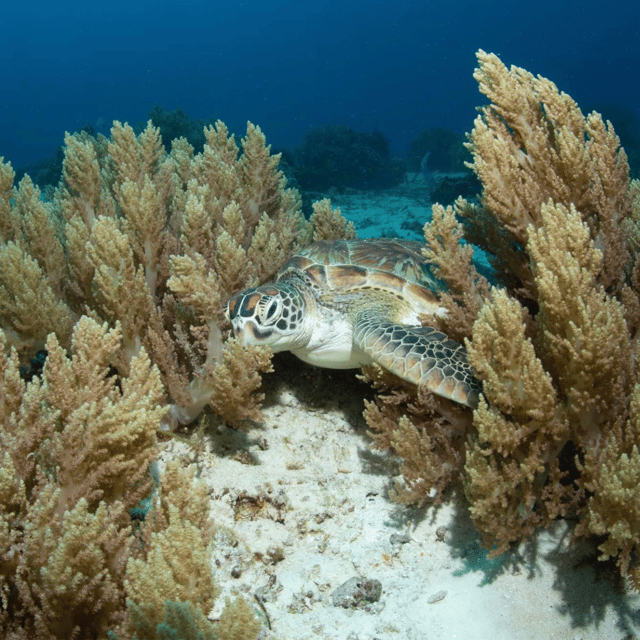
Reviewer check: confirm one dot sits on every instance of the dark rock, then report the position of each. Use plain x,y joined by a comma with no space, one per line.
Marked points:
356,593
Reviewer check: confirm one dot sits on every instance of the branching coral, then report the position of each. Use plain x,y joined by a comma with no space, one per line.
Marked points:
119,276
169,584
532,144
329,224
154,242
77,446
76,451
555,342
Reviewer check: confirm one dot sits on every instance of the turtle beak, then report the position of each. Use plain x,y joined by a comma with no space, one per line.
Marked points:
254,334
232,306
241,321
242,310
247,332
243,333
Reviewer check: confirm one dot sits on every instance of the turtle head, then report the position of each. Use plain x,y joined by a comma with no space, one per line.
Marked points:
272,315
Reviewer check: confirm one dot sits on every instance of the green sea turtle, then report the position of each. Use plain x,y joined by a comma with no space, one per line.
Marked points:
345,304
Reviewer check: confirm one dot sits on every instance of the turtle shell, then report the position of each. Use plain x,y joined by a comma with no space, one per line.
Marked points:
392,265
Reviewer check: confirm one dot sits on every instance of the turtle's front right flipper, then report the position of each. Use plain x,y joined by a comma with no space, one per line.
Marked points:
421,355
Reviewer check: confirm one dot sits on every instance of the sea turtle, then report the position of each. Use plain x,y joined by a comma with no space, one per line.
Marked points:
345,304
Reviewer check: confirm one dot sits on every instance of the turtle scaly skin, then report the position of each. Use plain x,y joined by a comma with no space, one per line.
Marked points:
346,304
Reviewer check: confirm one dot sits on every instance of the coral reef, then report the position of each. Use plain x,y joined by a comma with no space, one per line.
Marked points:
77,445
111,289
177,124
627,125
153,241
554,340
118,276
172,125
337,157
444,150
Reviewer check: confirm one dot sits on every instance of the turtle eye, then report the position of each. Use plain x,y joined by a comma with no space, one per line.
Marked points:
271,311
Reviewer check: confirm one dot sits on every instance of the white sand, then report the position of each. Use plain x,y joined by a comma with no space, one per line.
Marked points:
325,517
397,213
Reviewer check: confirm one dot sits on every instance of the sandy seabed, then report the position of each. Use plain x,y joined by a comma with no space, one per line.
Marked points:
302,505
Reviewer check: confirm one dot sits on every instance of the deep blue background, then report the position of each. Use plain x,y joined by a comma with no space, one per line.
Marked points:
395,66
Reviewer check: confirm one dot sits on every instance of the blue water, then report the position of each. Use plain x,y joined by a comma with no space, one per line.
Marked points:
394,66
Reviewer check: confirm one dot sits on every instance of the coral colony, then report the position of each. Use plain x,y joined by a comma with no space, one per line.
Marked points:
120,273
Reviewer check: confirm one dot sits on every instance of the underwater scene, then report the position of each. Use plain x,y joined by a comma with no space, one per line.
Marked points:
320,321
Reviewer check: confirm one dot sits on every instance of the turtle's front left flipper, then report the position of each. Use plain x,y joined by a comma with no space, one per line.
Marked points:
421,355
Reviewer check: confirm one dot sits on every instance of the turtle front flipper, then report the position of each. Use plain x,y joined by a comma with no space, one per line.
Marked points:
421,355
